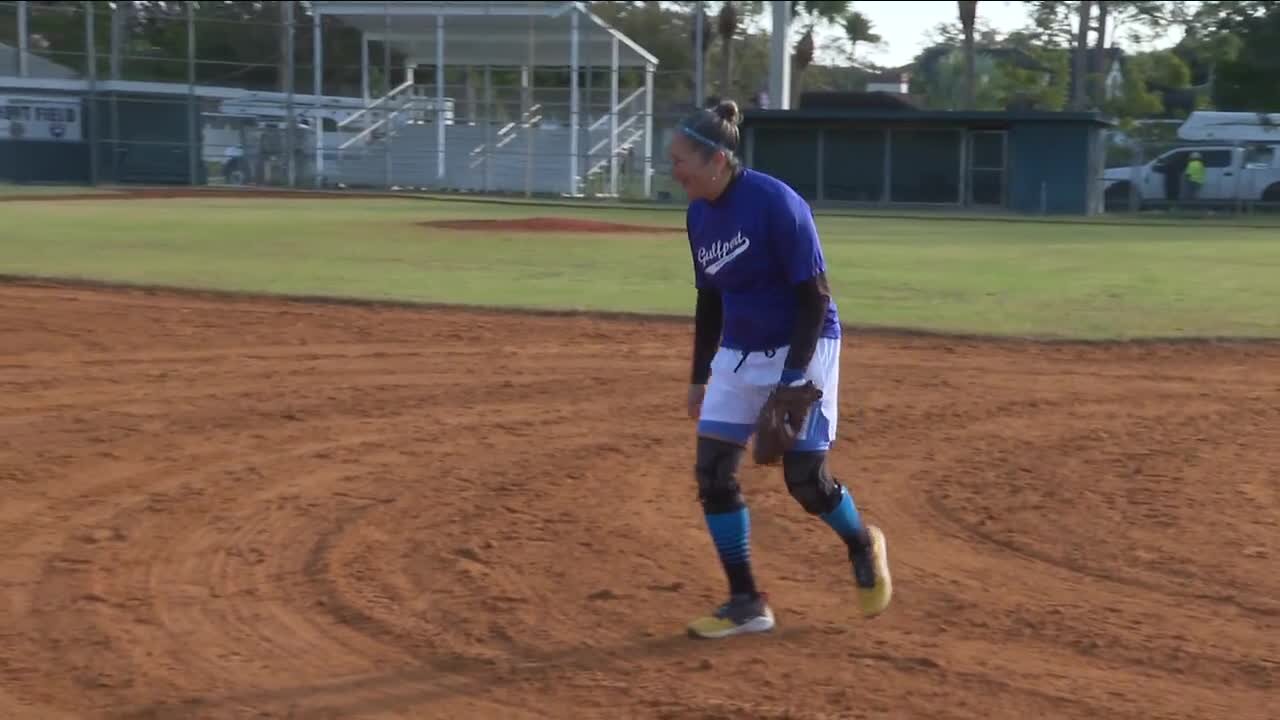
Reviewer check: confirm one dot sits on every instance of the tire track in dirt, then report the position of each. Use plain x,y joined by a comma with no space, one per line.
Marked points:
970,478
428,535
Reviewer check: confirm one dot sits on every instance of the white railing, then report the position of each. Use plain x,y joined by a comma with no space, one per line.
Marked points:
621,105
412,101
623,147
506,134
620,146
376,103
598,147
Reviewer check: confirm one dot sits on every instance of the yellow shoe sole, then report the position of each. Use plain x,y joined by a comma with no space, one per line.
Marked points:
876,600
714,628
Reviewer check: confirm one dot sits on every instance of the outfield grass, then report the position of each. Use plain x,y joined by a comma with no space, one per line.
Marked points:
1088,281
10,189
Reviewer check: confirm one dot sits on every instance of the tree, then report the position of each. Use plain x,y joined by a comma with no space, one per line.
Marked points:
1052,24
664,30
708,35
727,27
1136,99
968,14
1247,82
858,29
812,13
1078,96
1099,72
1063,25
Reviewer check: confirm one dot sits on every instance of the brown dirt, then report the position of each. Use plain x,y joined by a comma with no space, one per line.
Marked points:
549,224
250,509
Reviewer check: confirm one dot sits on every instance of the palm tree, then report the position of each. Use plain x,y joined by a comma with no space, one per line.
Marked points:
968,17
707,37
815,12
1099,89
801,58
1079,96
858,29
727,25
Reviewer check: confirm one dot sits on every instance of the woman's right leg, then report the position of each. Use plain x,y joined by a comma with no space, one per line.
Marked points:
724,428
725,510
729,522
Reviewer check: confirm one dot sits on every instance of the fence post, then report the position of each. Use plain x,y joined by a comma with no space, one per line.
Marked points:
193,126
1135,178
317,84
613,119
91,49
386,74
24,39
488,125
440,112
291,122
648,130
575,125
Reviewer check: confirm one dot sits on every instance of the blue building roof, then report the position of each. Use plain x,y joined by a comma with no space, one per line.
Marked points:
751,117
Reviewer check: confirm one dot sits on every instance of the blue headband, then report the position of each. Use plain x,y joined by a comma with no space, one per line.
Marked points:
704,139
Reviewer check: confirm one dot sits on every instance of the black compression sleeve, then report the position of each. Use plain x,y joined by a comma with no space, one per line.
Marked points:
708,317
812,298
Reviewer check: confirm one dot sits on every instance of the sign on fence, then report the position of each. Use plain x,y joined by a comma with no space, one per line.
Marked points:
26,117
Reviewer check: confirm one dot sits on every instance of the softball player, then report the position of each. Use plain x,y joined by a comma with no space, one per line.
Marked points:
764,318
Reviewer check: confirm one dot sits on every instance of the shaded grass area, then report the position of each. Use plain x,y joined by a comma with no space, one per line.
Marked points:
8,190
987,277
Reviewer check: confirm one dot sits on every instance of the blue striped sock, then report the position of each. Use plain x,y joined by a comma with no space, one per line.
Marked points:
844,519
731,533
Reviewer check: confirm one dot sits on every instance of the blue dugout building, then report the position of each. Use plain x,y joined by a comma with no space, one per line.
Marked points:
1021,162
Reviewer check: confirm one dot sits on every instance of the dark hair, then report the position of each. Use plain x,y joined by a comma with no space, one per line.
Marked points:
715,130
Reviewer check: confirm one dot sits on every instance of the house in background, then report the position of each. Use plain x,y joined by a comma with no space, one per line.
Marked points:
37,67
1115,64
938,73
896,82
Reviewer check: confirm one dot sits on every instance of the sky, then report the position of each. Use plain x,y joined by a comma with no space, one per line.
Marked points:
905,27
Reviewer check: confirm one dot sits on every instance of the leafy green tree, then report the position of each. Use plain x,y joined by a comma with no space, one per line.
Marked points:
1248,81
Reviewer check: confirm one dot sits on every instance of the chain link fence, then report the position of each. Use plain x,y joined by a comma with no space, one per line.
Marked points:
284,95
1157,172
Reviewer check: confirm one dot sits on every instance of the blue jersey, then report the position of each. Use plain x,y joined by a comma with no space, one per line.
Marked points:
754,244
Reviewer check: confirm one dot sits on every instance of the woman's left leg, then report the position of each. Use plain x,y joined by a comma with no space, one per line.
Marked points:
810,482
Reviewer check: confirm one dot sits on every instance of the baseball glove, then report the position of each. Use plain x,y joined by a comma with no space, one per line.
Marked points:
783,416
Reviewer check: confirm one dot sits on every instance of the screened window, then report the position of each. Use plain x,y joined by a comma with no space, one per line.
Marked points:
789,155
925,166
853,165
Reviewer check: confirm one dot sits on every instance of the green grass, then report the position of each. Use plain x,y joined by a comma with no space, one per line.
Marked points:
10,189
1009,278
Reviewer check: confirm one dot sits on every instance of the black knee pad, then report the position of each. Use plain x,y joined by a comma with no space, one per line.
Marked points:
810,483
716,468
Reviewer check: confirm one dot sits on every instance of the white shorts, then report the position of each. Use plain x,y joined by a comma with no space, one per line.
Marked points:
738,389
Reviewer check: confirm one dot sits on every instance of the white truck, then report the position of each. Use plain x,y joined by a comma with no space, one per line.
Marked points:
1241,155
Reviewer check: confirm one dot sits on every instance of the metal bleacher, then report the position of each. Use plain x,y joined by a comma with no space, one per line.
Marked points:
399,146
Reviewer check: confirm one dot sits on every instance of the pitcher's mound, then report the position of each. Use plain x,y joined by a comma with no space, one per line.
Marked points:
550,224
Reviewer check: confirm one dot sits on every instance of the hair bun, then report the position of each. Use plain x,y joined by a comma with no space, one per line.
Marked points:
727,110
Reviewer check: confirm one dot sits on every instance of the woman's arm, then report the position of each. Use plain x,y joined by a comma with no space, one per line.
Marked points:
708,318
812,298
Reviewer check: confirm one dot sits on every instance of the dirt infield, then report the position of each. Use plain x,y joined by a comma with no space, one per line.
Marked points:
551,225
253,509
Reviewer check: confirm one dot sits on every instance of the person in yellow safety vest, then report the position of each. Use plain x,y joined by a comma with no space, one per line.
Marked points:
1194,177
